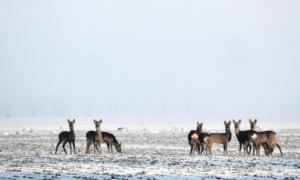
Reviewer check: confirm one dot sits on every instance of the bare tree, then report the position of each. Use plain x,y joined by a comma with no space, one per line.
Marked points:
6,109
61,108
34,109
32,106
88,106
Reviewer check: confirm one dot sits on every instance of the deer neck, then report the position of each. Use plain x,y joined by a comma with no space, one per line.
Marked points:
228,132
199,130
237,131
98,130
72,131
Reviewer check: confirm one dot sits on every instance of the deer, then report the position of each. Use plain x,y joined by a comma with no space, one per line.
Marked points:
222,138
203,138
244,137
94,137
193,138
265,145
108,138
67,136
264,138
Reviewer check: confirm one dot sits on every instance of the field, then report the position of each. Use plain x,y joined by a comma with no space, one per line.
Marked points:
144,156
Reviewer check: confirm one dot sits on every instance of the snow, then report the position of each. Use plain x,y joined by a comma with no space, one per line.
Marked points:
144,156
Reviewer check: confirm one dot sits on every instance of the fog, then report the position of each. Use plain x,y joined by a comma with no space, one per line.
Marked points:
100,59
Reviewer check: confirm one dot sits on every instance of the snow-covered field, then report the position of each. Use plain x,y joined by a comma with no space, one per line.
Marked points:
145,156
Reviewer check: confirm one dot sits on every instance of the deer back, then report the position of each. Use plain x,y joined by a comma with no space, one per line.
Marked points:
219,137
265,136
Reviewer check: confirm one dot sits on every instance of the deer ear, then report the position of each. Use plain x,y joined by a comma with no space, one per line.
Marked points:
250,121
201,124
255,121
233,121
225,122
100,121
95,121
73,120
240,121
198,123
69,120
229,122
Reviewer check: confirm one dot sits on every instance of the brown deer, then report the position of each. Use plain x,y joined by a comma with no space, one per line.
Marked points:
263,138
222,138
94,137
67,136
244,137
203,138
265,145
108,138
193,138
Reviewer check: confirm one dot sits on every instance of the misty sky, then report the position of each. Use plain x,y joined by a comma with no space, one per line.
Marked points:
149,58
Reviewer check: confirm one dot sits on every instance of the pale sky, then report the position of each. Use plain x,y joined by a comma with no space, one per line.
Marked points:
149,58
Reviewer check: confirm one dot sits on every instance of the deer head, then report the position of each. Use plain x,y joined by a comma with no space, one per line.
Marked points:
237,124
97,124
118,147
71,124
199,127
227,125
253,124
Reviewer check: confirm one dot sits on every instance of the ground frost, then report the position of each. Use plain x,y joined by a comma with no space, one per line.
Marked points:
145,156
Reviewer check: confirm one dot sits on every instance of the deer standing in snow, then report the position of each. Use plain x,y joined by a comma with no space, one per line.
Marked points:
193,138
222,138
262,138
108,138
67,136
244,137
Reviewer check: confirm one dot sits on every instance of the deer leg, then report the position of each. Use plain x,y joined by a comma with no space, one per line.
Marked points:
95,147
194,145
70,143
201,145
198,144
278,146
59,142
98,149
88,145
64,147
74,147
254,149
99,146
241,149
209,148
245,149
107,147
248,146
225,148
111,145
191,149
258,149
